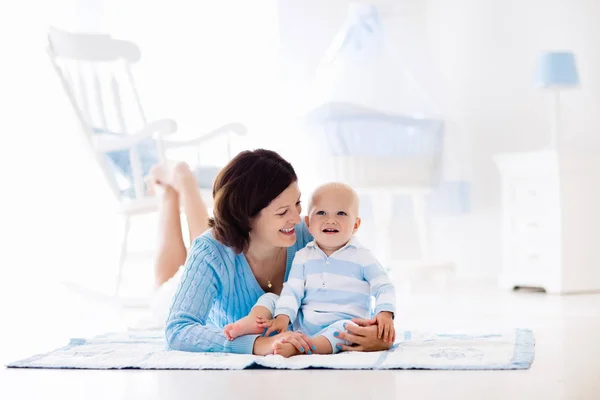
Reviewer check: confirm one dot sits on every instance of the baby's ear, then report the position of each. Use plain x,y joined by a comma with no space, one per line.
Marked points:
356,224
306,221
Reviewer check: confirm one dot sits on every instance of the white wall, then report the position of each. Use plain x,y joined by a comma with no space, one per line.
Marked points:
477,59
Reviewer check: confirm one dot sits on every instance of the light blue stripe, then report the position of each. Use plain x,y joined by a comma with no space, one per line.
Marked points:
336,267
297,272
311,329
524,350
373,271
340,297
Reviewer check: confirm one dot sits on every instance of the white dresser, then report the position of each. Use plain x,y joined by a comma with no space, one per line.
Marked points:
551,220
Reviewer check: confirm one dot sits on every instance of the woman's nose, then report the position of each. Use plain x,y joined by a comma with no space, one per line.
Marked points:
295,217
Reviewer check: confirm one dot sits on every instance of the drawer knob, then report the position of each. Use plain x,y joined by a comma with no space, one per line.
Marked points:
533,257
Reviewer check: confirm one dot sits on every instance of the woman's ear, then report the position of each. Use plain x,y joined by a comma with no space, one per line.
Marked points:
356,225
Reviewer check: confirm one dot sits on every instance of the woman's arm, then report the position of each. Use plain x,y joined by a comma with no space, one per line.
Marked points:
264,345
363,337
187,326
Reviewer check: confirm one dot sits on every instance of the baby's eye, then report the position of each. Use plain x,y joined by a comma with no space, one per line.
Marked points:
341,213
320,212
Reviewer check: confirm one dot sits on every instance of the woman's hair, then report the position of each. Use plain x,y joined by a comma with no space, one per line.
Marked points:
246,185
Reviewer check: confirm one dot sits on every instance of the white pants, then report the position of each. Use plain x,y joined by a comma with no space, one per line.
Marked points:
158,312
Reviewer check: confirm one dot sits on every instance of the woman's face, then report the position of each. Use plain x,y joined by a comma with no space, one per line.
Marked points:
274,225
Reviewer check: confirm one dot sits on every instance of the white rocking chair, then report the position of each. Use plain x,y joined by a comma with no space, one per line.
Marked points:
96,75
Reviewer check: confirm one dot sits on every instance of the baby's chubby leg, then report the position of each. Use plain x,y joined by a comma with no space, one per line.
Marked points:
247,325
329,334
263,310
325,342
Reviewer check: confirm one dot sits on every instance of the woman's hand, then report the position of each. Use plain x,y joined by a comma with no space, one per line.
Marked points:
363,337
264,345
298,339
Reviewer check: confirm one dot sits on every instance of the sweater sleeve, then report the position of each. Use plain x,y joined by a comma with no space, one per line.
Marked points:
188,327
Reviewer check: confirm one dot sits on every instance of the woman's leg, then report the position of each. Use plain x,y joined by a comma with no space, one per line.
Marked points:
176,185
194,208
171,252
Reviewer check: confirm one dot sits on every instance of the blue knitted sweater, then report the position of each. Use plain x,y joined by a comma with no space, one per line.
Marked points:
217,288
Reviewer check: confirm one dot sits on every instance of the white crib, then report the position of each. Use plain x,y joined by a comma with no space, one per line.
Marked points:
381,156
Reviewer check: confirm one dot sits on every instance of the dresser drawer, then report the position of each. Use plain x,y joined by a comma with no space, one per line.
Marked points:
528,225
531,261
533,197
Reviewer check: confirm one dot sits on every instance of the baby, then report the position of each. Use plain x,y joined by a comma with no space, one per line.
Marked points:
331,281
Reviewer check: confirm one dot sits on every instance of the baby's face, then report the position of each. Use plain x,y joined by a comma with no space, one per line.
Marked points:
332,218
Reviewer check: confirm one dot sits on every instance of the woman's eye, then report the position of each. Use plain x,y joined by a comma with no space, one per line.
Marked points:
320,212
341,213
283,213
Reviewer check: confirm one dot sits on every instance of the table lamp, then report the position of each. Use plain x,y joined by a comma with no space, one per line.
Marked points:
556,70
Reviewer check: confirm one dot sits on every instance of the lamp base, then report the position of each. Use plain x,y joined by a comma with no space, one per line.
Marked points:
554,120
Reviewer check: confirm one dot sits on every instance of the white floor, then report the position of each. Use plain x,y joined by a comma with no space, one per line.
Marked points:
566,366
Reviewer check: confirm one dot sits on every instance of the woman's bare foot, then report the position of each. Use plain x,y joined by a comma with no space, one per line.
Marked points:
285,349
182,177
245,326
157,179
174,174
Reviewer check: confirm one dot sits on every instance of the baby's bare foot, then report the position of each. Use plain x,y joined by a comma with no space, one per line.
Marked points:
244,326
285,349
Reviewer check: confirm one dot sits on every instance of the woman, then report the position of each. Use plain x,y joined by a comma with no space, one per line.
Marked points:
255,233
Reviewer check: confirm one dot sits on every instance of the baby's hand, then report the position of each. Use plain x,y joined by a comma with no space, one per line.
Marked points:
279,324
385,327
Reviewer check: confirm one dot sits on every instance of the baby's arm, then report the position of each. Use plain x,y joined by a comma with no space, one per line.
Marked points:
385,298
293,292
385,326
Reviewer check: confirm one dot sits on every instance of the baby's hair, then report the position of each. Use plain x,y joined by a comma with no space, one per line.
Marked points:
335,186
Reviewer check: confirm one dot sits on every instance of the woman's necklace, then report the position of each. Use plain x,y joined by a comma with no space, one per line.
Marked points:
282,254
269,284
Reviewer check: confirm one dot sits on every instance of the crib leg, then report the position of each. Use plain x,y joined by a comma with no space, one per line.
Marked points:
383,202
419,207
123,255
